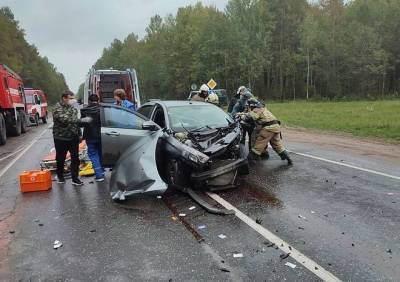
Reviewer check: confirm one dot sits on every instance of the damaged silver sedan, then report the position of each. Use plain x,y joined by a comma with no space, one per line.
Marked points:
183,144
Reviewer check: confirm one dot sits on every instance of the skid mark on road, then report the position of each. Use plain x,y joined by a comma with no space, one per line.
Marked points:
295,254
4,170
347,165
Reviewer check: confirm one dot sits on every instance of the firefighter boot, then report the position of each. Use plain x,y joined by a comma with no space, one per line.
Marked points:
285,156
253,157
265,155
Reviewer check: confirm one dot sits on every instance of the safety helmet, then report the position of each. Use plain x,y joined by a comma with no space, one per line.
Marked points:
213,98
254,103
204,87
241,89
246,95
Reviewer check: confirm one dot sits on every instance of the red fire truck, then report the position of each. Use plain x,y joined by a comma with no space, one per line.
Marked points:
12,104
36,105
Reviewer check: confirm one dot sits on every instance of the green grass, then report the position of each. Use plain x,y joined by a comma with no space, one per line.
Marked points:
370,119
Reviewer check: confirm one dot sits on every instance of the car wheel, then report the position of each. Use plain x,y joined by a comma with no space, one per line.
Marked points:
44,119
175,175
3,134
15,129
23,122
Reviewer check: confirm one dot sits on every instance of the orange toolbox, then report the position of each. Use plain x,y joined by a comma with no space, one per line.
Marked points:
35,180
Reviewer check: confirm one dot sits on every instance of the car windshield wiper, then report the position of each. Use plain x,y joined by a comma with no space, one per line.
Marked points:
200,128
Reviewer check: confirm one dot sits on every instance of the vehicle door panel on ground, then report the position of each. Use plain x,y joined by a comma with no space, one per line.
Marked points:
120,128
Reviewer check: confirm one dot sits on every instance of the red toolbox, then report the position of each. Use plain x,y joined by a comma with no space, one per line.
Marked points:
35,180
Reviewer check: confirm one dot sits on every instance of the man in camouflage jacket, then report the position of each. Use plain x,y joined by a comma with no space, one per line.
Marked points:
66,133
270,131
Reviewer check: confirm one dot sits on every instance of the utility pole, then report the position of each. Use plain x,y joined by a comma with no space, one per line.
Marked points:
308,70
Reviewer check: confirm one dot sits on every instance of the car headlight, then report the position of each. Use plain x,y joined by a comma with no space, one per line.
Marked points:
195,156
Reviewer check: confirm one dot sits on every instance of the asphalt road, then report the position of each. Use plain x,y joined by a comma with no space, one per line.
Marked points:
336,219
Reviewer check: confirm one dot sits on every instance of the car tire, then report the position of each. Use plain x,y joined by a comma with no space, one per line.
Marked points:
36,120
175,174
23,122
3,133
44,119
15,129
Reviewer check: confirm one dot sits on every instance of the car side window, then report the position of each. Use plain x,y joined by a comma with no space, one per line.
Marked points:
37,100
159,117
120,118
145,110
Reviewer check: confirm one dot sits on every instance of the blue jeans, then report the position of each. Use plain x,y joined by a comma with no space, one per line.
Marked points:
94,152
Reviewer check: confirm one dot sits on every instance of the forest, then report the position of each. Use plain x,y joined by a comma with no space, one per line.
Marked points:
280,49
24,58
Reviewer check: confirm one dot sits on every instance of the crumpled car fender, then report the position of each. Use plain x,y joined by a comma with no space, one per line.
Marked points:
136,171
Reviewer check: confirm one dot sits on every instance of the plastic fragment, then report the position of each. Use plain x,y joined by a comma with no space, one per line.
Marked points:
302,217
182,214
221,236
36,220
223,269
284,256
57,244
192,208
291,265
258,220
201,227
174,218
159,197
41,224
239,255
312,211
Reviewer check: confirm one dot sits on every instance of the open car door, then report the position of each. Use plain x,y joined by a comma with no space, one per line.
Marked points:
129,145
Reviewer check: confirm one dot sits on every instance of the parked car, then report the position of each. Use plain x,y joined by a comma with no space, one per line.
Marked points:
221,93
167,143
104,82
36,104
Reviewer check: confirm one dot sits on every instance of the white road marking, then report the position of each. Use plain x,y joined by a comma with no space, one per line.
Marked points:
347,165
295,254
4,170
19,149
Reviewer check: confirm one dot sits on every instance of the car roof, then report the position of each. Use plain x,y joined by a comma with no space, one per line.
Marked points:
177,103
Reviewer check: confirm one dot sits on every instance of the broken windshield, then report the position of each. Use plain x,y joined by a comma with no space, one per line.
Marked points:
197,117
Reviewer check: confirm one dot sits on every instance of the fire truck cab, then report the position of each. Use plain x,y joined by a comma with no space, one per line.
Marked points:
36,104
12,104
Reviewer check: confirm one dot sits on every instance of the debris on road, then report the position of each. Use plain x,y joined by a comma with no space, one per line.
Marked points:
302,217
284,256
301,228
258,220
182,214
57,244
11,231
291,265
92,231
192,208
201,227
389,251
159,197
312,211
174,218
238,255
221,236
270,245
36,220
41,224
224,269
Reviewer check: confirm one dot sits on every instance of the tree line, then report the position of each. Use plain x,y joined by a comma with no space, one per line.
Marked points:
281,49
36,71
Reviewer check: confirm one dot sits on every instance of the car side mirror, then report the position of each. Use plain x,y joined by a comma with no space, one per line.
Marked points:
149,125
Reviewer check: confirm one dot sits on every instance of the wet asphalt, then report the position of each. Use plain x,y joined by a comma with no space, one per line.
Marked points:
344,219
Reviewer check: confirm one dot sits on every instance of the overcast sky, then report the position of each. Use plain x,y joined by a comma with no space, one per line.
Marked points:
73,33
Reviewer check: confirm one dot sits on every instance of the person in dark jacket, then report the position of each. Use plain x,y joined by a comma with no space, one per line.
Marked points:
67,133
235,98
91,133
240,105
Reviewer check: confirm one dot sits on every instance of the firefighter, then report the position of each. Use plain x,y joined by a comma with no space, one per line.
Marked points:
202,95
270,131
235,98
213,99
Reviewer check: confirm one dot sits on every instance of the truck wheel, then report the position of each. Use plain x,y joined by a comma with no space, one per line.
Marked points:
44,119
36,120
15,129
3,135
23,122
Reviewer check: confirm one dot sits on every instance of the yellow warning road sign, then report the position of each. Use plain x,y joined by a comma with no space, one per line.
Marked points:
211,83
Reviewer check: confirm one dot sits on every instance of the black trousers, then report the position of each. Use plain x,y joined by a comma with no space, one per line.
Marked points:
62,147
